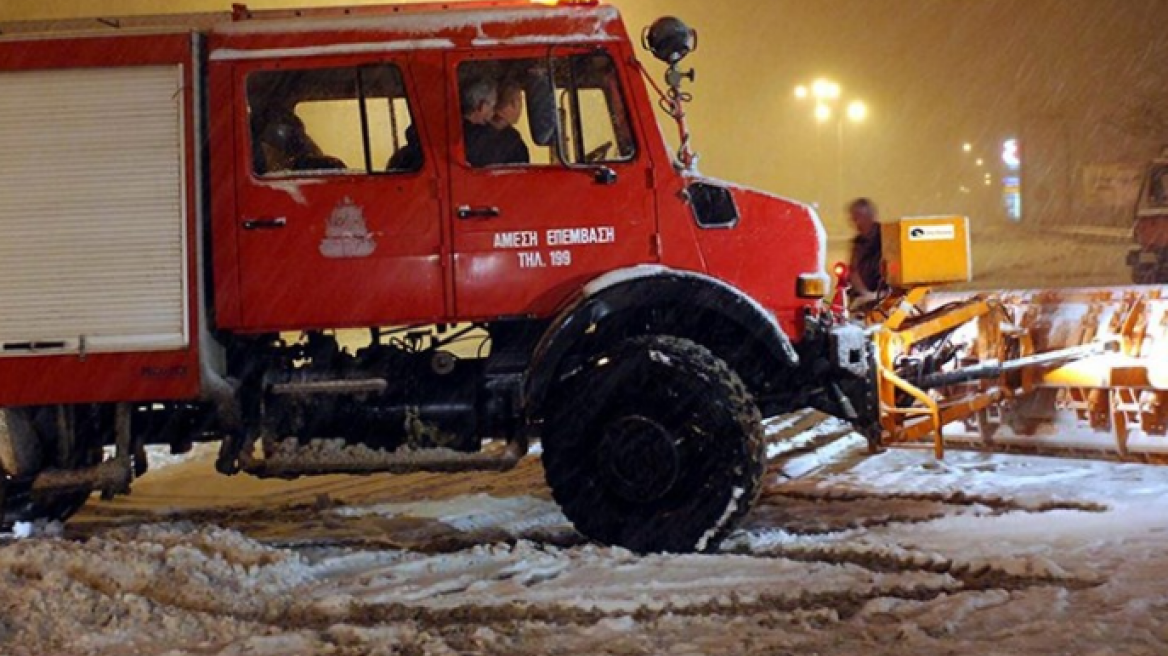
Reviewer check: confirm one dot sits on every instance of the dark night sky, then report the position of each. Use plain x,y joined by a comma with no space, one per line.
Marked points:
936,73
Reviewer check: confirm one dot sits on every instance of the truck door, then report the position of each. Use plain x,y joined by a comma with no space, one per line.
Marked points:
338,220
560,196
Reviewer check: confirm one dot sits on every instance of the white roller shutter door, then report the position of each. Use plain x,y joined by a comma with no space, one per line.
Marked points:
92,211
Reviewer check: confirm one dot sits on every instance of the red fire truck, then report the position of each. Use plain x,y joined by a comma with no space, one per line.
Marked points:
264,228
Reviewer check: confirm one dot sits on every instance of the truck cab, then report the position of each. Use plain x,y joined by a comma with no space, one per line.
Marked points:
357,239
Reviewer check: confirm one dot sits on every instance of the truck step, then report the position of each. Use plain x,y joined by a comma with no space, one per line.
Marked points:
355,386
315,459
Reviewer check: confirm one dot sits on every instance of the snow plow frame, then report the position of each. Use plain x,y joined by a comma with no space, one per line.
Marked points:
1094,354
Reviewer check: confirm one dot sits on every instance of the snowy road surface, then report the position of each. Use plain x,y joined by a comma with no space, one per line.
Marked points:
891,554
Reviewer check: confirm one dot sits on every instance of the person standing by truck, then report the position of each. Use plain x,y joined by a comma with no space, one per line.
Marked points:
866,275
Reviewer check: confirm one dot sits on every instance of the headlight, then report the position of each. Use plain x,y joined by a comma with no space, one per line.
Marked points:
812,285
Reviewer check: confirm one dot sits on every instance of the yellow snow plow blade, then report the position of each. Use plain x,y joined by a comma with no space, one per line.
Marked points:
1078,370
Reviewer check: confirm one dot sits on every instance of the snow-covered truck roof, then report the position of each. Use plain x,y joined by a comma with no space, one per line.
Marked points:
413,27
243,33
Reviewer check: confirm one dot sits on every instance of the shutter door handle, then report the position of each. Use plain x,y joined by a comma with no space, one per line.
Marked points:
33,347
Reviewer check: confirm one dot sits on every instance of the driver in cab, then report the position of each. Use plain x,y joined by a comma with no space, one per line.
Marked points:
506,145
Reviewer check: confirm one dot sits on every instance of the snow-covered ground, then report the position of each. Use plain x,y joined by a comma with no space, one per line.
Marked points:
889,554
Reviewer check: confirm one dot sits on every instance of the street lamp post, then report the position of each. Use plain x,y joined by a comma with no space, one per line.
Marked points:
827,94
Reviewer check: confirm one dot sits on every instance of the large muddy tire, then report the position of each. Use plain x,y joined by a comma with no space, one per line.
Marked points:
656,445
17,502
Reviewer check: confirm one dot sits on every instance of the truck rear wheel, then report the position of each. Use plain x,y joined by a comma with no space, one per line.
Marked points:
656,445
22,459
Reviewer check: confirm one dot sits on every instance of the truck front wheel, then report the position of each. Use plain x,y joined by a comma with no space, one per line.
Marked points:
656,445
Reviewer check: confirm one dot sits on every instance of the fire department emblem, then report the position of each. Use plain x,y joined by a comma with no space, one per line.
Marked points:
346,235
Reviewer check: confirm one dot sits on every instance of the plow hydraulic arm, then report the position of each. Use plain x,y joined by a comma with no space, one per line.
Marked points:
991,369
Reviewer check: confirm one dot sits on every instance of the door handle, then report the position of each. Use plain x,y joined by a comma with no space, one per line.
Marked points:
468,212
603,175
264,223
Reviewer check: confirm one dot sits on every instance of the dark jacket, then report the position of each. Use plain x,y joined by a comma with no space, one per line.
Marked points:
506,147
866,257
479,143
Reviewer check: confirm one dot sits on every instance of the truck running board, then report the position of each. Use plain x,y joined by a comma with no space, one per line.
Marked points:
309,388
292,461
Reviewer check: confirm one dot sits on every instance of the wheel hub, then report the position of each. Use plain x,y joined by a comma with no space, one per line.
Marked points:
640,459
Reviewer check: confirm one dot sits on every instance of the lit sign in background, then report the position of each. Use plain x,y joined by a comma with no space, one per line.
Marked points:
1012,180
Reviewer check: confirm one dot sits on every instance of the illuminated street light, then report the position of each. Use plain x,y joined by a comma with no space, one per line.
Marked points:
857,111
827,93
967,147
825,89
980,162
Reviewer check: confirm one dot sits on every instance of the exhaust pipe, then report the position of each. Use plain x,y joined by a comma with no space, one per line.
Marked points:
110,477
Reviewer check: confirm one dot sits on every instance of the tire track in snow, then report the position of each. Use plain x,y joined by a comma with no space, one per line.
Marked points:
973,576
807,513
955,498
952,578
845,603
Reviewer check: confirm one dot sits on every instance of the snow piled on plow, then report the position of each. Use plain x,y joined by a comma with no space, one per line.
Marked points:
889,554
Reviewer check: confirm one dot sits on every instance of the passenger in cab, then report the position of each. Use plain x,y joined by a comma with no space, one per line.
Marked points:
507,145
478,98
283,144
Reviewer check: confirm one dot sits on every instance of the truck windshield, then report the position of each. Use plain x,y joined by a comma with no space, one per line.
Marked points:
331,121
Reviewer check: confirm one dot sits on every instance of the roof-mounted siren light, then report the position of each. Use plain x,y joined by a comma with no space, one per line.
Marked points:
559,3
671,40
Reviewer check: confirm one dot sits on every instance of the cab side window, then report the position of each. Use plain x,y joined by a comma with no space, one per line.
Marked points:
331,121
543,111
592,108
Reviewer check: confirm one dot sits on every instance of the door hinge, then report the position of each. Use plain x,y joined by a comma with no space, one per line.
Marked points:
655,245
650,179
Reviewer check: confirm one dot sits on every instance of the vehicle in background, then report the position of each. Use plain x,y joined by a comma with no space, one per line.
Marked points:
1149,259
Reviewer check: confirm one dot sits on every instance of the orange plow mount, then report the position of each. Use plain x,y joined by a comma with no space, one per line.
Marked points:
1077,371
